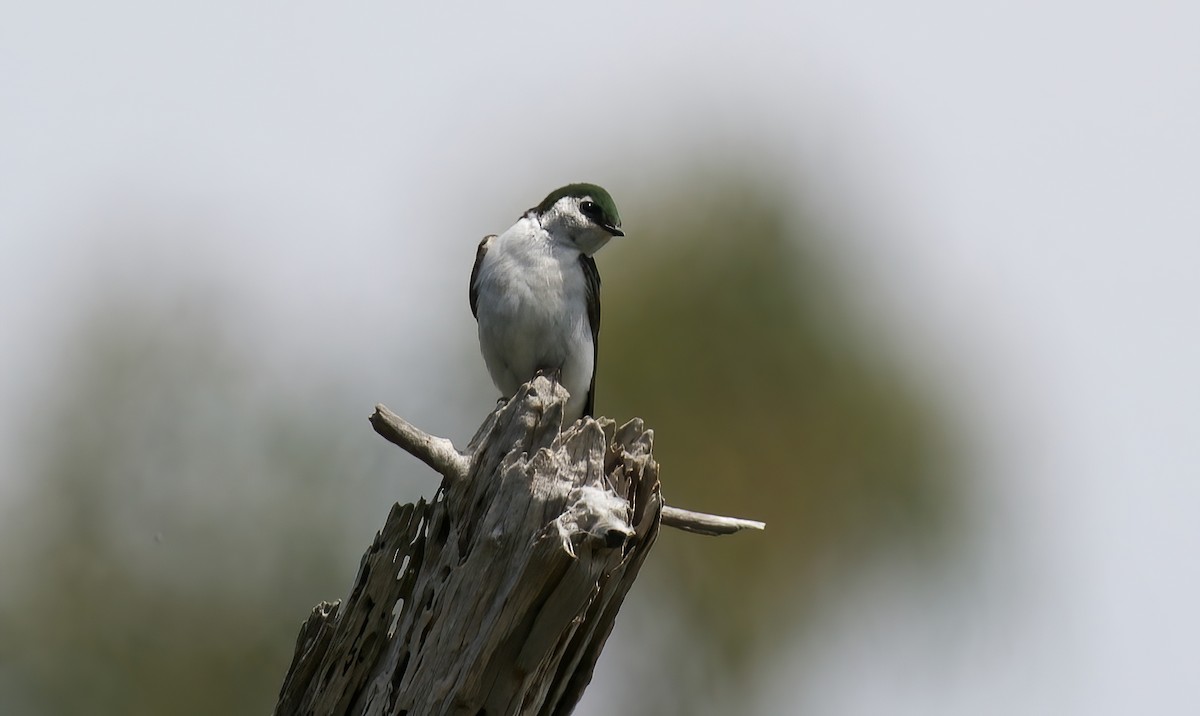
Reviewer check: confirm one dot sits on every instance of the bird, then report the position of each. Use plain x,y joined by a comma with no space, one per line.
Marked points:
535,294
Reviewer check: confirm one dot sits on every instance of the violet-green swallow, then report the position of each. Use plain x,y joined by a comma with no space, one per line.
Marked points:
535,293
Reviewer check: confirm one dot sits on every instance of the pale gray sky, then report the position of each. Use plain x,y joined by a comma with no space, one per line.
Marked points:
1023,179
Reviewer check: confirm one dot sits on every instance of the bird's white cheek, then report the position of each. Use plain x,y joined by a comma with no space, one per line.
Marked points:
593,241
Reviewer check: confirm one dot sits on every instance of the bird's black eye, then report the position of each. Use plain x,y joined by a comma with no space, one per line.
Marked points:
591,210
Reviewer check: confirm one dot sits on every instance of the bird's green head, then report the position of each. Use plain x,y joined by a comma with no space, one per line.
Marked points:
583,208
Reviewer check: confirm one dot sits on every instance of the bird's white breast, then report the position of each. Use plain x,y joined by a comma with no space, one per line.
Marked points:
532,311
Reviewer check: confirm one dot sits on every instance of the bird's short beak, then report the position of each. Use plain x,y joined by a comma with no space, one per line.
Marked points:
614,231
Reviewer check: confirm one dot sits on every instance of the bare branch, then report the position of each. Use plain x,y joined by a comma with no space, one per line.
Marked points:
702,523
438,453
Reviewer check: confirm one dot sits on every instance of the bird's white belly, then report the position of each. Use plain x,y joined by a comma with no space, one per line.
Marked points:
532,315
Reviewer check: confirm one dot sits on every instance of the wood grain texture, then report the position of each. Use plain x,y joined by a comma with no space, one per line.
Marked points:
498,595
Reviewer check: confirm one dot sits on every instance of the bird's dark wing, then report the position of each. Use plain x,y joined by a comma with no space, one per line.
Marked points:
479,253
591,277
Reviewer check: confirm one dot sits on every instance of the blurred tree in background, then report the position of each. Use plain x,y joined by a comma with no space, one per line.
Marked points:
727,329
185,511
178,526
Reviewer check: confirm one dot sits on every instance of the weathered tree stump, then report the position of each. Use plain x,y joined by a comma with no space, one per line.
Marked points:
496,597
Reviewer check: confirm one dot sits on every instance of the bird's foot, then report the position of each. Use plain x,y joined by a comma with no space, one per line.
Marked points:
554,374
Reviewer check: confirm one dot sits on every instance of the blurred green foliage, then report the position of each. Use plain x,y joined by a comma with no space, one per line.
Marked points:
177,531
728,330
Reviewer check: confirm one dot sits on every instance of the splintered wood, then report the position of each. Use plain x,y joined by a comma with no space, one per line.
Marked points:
497,597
